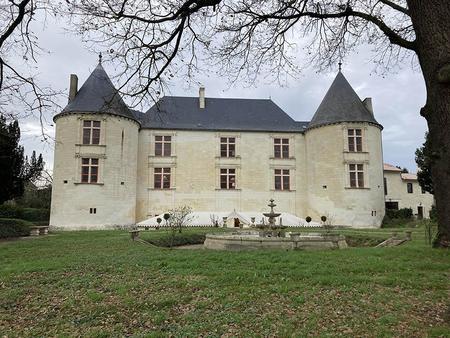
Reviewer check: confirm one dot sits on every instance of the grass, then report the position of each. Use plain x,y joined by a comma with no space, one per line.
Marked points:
101,284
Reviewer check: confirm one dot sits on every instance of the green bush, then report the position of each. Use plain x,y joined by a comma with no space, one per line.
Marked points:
404,213
433,213
178,240
28,214
10,227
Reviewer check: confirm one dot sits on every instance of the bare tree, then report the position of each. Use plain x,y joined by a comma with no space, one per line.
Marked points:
20,93
155,39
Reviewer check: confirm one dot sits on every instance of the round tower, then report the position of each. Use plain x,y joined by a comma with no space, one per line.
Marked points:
95,163
345,160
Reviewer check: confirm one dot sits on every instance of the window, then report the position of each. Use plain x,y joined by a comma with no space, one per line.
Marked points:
385,186
391,205
356,175
227,178
227,147
91,132
281,147
89,170
163,145
354,140
92,210
162,178
409,188
282,181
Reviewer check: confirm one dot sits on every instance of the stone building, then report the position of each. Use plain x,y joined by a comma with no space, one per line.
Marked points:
402,190
117,166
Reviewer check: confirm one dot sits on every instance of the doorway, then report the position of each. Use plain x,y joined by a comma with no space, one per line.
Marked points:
420,212
237,223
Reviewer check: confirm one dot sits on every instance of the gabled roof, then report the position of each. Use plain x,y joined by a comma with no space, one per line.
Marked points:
177,112
98,95
390,167
341,104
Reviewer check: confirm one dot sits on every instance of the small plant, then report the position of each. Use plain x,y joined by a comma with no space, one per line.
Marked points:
177,219
308,219
430,231
158,220
323,218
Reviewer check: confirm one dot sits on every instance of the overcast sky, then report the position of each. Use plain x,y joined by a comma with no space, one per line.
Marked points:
397,98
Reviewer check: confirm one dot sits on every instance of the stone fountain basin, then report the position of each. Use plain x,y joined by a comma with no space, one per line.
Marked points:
250,240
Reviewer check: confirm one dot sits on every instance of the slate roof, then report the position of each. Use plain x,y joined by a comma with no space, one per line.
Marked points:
98,95
177,112
341,104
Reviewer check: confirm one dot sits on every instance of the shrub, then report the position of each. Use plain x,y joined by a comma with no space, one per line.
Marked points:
308,219
38,215
28,214
404,213
10,227
433,213
178,240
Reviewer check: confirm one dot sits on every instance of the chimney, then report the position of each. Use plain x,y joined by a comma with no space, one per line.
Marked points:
73,86
368,104
201,97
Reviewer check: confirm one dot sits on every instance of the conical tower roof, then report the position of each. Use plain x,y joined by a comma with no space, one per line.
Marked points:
98,95
341,104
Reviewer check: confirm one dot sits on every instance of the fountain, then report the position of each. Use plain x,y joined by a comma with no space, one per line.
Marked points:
268,236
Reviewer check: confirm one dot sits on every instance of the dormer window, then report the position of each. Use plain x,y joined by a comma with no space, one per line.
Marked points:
355,140
91,132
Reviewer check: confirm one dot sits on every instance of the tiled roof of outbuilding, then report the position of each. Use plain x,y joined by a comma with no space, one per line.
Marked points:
98,95
341,104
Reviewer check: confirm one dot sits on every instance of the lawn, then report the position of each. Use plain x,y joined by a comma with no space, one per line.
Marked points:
100,284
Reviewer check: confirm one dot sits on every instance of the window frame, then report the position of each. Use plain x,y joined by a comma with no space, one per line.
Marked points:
165,144
284,176
92,164
87,132
352,140
281,147
358,181
162,178
229,181
229,146
408,190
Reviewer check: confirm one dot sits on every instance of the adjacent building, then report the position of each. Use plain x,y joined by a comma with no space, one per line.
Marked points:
402,190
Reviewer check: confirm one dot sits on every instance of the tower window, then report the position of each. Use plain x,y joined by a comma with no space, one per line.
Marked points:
227,178
161,178
385,186
163,146
227,147
356,172
282,179
89,170
354,140
91,132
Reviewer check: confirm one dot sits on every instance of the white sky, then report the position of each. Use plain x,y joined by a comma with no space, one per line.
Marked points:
397,97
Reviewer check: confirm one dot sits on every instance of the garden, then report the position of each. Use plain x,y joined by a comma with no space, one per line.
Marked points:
101,283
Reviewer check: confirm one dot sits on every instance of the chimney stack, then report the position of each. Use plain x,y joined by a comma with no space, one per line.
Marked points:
73,86
201,97
368,104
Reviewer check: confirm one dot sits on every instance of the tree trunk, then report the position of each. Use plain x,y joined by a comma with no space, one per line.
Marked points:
432,26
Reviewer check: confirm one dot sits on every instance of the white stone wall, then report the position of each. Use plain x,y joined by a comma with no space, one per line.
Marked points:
114,197
328,183
397,192
196,163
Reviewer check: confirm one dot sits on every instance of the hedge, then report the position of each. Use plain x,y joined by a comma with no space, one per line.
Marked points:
405,213
178,239
10,227
28,214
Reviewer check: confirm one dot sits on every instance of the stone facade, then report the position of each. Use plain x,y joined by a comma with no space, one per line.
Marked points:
123,192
